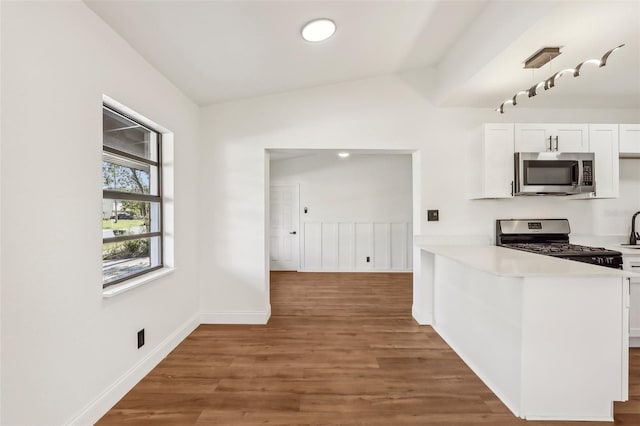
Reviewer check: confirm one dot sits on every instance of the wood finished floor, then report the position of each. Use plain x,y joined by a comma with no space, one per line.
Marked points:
339,349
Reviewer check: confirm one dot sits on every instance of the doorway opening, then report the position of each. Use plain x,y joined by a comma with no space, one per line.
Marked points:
335,213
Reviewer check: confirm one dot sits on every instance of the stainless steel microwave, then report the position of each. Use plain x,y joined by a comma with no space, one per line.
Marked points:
554,173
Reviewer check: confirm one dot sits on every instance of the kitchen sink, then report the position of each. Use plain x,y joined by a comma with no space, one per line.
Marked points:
631,246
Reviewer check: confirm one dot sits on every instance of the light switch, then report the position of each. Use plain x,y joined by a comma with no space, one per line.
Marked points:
433,215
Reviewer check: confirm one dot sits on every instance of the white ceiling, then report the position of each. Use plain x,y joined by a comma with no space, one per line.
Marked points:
223,50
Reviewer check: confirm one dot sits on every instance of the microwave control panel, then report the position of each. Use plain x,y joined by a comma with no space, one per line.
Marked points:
587,172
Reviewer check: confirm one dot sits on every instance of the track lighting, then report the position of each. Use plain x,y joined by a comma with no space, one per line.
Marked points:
551,81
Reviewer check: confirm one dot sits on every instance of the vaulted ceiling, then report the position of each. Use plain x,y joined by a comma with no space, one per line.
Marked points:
217,51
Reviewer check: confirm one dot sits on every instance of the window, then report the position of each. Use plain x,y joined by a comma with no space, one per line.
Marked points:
131,198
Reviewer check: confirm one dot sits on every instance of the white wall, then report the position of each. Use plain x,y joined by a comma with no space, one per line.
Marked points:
379,113
67,353
361,189
613,217
1,133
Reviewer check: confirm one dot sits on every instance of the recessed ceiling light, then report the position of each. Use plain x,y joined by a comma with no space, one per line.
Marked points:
318,30
343,154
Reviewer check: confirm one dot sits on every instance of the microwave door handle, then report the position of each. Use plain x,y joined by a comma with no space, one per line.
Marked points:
575,173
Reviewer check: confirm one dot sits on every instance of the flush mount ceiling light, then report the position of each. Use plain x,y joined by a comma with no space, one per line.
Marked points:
318,30
343,154
551,81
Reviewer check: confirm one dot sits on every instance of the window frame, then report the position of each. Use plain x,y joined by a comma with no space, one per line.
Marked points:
131,196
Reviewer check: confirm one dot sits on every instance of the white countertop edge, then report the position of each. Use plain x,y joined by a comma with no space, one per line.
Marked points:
508,262
611,242
117,289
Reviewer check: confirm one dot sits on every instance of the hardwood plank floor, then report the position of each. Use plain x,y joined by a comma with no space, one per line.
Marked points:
340,349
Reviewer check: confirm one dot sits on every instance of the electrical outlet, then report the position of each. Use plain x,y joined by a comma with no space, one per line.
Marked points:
433,215
368,259
140,338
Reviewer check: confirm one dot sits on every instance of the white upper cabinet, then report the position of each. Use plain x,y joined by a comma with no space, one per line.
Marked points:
540,137
603,141
492,162
629,139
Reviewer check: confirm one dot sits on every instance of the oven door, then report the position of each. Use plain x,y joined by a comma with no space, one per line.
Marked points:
541,173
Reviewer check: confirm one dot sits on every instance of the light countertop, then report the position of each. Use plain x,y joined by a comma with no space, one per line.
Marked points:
610,242
514,263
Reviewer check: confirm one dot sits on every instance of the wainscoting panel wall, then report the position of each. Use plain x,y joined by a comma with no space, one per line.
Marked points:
357,246
399,246
329,244
382,246
346,246
312,246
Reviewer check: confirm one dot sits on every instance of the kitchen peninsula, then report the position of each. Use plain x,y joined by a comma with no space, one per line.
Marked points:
549,336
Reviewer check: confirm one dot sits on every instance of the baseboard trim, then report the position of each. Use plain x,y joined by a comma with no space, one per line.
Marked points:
236,317
97,408
348,271
421,319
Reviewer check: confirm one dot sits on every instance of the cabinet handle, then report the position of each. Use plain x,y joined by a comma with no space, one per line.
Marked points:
550,146
556,143
512,188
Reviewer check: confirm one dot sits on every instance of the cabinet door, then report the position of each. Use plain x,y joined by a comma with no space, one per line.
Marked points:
532,137
634,309
498,160
603,141
551,137
570,137
632,263
630,139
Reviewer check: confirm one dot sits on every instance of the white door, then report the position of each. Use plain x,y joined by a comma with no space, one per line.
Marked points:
284,244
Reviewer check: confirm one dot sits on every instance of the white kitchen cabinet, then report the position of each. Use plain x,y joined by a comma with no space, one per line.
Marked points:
629,139
540,137
492,162
603,141
631,263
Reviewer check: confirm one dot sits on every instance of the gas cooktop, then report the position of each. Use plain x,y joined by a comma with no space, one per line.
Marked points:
561,249
551,237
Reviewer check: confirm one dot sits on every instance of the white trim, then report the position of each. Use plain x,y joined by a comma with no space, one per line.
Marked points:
167,177
420,318
570,418
366,271
236,317
97,408
112,103
116,289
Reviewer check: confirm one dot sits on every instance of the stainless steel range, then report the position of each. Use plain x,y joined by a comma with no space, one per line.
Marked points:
551,237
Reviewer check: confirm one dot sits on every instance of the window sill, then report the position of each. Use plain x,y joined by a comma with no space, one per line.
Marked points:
117,289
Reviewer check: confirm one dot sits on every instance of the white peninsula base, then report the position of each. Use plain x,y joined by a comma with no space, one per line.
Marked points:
548,336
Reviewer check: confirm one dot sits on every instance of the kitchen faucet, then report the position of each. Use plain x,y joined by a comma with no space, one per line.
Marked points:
635,237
